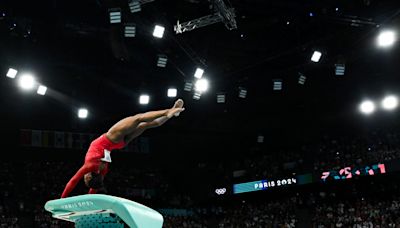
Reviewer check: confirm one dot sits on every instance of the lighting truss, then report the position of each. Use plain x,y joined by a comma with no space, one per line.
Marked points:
222,14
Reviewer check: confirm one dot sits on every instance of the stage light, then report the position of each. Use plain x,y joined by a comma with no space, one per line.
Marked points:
277,84
197,95
311,14
316,56
340,69
390,103
144,99
302,79
82,113
162,61
12,73
201,85
242,92
221,98
172,92
188,86
386,38
27,82
199,73
115,15
367,107
130,30
42,90
135,6
158,31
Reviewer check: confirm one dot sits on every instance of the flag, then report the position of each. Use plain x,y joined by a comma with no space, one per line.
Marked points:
25,137
48,139
68,140
36,138
59,141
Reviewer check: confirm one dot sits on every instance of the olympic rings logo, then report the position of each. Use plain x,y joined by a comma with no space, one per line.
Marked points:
220,191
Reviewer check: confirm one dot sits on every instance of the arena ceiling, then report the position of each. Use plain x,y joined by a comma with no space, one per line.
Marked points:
72,48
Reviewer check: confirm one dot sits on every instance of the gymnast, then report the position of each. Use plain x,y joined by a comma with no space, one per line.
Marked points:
98,156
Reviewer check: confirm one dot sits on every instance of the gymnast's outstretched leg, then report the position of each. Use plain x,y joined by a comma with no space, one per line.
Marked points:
132,126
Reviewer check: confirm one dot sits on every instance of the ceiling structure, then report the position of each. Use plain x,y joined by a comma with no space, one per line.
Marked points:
71,47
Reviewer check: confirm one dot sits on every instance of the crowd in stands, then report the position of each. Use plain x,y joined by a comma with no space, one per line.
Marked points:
26,186
329,152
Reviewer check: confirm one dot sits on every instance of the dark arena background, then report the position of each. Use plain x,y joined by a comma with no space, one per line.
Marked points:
290,120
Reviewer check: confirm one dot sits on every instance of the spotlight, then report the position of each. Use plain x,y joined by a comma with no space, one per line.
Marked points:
162,61
340,69
42,90
242,92
12,73
201,85
158,31
144,99
260,139
302,79
26,82
115,15
199,73
277,84
386,38
221,98
367,107
197,95
188,86
130,30
82,113
316,56
134,6
390,103
172,92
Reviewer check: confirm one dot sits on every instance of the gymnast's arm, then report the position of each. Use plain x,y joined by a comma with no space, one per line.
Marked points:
74,180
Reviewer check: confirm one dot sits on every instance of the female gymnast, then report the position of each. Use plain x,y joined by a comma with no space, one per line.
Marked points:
98,156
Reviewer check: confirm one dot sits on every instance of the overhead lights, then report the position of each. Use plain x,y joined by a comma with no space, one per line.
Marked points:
242,92
277,84
386,38
115,15
199,73
26,82
144,99
201,85
158,31
367,107
390,102
316,56
130,30
172,92
162,61
11,73
42,90
83,113
135,6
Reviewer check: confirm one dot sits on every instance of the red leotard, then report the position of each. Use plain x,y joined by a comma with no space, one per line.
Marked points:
94,157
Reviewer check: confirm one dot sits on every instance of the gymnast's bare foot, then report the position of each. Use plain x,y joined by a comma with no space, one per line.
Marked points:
178,103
